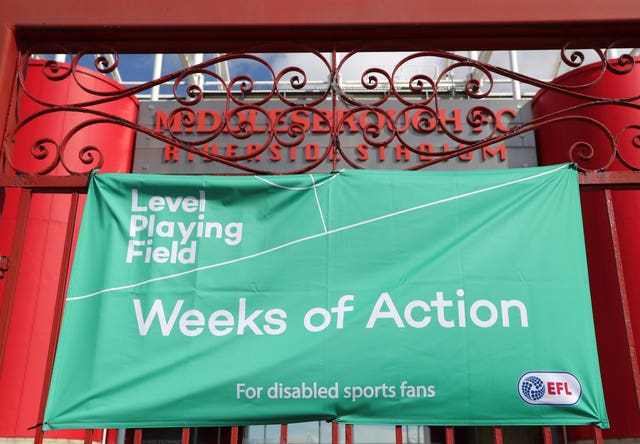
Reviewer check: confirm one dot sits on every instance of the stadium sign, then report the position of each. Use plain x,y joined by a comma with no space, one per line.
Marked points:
248,133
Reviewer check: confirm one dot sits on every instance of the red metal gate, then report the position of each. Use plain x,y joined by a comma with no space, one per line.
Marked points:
35,173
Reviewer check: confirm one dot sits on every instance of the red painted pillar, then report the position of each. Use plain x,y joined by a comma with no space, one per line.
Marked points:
30,324
555,142
8,66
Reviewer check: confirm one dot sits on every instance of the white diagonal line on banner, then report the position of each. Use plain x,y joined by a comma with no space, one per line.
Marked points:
314,185
326,233
315,193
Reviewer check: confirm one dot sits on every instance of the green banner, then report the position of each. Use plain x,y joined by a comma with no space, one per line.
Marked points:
435,298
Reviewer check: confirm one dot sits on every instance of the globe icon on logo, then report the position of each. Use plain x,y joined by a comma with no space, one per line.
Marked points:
532,388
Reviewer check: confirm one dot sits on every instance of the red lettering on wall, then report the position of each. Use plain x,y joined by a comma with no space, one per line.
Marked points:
301,119
312,152
278,120
162,124
274,153
210,149
483,119
319,124
253,121
240,120
402,153
370,118
423,121
252,149
403,122
466,157
350,121
499,125
362,152
425,148
171,154
455,119
208,121
189,121
231,150
487,151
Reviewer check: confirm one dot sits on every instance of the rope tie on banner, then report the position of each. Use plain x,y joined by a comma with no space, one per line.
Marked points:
40,424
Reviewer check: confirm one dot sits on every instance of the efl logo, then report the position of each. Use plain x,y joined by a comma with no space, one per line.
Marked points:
549,388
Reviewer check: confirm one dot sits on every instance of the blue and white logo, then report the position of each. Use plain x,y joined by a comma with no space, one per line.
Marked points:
549,388
532,388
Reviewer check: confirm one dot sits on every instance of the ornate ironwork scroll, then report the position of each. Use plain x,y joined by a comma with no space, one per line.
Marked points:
312,97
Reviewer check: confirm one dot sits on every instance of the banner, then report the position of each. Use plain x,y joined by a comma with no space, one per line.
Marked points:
435,298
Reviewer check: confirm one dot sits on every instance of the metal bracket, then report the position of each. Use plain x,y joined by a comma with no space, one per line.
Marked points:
4,265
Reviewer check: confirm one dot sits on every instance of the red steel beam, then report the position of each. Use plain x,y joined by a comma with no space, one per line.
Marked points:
137,436
60,184
547,438
13,273
449,438
336,13
88,436
234,435
497,435
327,38
619,180
348,433
624,297
8,73
151,24
57,313
597,435
186,432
